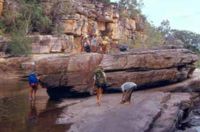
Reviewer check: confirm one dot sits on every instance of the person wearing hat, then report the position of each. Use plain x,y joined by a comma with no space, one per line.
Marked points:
86,44
94,43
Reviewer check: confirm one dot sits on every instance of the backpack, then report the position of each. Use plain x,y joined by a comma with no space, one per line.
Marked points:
87,48
100,78
32,79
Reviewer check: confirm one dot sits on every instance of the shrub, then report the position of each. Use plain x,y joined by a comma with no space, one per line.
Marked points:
30,14
19,44
151,37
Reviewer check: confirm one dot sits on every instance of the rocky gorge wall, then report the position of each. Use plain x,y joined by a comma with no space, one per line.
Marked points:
86,19
1,6
96,18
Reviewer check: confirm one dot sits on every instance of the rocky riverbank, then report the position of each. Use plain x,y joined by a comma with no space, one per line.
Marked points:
72,75
149,111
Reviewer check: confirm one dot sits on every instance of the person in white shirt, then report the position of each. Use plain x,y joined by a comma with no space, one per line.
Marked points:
127,89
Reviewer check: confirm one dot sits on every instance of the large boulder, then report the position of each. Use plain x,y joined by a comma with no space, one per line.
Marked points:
43,44
147,68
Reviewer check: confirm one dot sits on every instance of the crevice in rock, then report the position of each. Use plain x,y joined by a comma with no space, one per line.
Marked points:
164,101
143,69
191,115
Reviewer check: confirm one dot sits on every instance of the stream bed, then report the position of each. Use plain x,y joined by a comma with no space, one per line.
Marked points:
18,114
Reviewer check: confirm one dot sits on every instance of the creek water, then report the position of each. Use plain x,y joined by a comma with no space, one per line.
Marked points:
19,114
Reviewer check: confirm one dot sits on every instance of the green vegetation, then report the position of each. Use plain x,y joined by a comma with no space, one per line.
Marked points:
22,21
30,15
151,37
130,8
190,39
59,9
164,27
19,44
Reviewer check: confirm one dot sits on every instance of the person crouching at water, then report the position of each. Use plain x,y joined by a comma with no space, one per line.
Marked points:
33,83
127,89
99,83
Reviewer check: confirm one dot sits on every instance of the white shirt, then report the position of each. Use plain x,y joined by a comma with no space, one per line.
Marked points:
128,85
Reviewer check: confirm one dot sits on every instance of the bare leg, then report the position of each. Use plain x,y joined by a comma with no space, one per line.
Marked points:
34,93
97,91
123,95
129,95
31,94
100,95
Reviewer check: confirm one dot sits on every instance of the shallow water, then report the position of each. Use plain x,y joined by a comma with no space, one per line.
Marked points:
18,114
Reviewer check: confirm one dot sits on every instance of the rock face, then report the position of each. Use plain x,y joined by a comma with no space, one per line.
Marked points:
95,18
87,19
74,74
148,112
44,44
1,6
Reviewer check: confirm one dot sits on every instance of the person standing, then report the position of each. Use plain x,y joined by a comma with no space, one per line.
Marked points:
33,83
94,43
86,44
127,89
100,83
105,45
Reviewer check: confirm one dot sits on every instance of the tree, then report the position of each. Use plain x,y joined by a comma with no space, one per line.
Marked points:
130,8
30,15
151,37
164,27
60,8
190,39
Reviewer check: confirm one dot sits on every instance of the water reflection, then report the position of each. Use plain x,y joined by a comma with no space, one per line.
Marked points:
32,115
18,114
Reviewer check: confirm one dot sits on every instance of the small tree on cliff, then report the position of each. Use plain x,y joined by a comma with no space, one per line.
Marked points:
151,37
164,27
61,8
130,8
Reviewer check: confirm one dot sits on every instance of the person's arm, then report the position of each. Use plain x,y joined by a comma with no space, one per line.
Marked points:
94,80
123,95
104,75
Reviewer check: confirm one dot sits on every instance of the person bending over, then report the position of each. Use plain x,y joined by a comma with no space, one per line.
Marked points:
127,89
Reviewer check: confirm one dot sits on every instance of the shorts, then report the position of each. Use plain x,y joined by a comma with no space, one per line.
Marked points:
34,86
87,48
103,85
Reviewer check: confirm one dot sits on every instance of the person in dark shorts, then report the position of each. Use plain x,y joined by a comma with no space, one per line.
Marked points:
127,89
100,83
33,83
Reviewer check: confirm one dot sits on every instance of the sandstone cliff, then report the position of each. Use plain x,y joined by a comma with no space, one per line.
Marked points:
1,6
85,19
95,18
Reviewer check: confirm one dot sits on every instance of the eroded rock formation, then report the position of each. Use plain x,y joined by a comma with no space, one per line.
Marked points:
147,68
88,18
